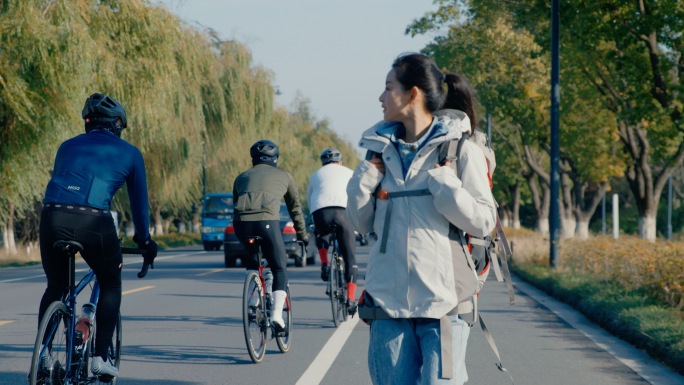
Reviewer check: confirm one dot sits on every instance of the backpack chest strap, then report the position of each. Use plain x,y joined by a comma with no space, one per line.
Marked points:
389,196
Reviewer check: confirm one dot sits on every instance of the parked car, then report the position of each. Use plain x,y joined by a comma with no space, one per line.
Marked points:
217,212
234,250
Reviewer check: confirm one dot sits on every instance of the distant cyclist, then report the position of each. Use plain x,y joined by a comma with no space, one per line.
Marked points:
88,170
257,194
327,198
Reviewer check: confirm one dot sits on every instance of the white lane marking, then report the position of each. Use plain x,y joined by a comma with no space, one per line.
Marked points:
5,322
82,270
208,272
325,358
136,290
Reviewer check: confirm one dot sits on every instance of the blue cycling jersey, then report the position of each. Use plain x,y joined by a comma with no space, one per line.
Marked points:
91,167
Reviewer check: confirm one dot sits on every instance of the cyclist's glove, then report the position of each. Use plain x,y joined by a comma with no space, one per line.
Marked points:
305,241
150,248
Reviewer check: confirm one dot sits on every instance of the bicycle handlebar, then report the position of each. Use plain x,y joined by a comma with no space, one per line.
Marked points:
146,265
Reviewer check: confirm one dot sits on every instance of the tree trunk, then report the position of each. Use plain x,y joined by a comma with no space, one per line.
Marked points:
515,206
4,236
541,201
543,225
181,227
129,229
567,221
10,245
167,225
196,222
158,222
647,227
582,231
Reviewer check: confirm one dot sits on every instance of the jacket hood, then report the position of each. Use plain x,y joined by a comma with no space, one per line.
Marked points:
451,124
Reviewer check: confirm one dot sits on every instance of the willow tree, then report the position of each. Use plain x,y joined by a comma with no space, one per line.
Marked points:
45,63
194,101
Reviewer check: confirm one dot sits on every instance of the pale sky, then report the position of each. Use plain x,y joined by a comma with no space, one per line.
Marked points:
335,54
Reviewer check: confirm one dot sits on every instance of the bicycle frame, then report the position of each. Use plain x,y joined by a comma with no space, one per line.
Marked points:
69,299
73,360
258,350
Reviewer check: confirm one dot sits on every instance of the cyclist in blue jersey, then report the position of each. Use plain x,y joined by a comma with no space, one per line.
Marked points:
88,170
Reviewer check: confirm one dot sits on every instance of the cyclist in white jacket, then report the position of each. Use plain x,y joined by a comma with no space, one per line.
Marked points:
409,273
327,198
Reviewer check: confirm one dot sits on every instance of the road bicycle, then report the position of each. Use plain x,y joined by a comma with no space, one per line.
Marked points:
337,284
257,303
62,354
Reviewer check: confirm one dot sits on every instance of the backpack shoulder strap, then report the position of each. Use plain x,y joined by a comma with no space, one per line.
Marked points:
451,151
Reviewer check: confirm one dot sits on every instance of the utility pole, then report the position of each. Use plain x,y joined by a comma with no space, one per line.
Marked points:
554,217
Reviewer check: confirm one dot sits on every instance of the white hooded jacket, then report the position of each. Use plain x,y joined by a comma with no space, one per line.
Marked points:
414,276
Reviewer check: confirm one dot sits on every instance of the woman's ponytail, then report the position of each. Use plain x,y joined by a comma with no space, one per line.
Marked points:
459,97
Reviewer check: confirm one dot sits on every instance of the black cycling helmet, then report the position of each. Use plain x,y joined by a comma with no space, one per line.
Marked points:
264,150
101,108
331,155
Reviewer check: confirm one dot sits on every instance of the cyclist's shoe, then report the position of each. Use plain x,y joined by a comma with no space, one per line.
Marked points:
101,367
351,307
279,326
325,272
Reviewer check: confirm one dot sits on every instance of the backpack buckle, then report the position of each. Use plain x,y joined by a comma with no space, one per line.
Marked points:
382,195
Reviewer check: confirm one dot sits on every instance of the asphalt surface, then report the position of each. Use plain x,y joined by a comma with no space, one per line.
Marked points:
183,325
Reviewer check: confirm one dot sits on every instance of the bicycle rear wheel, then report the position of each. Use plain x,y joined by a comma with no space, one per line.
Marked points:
113,353
254,317
48,365
335,290
285,342
342,293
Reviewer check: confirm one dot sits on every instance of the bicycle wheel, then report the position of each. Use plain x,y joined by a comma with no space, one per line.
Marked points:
342,294
254,317
48,365
284,342
113,353
334,291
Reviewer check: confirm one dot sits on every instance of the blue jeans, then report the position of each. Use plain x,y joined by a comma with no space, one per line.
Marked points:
407,352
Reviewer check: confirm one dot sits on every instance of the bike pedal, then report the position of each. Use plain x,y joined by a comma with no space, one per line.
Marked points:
105,378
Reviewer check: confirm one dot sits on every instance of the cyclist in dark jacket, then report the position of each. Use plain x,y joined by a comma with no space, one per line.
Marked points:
88,170
257,194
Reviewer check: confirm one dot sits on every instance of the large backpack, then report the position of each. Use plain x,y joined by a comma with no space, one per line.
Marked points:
481,253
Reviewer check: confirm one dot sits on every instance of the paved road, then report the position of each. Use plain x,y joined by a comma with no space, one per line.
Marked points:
182,325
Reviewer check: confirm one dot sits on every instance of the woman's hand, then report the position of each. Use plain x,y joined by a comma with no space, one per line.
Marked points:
378,164
446,164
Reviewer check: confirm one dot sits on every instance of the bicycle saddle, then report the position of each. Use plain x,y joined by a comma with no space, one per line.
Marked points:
70,247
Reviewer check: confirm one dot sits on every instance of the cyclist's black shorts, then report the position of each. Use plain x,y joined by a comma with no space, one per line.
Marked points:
327,216
94,229
273,248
